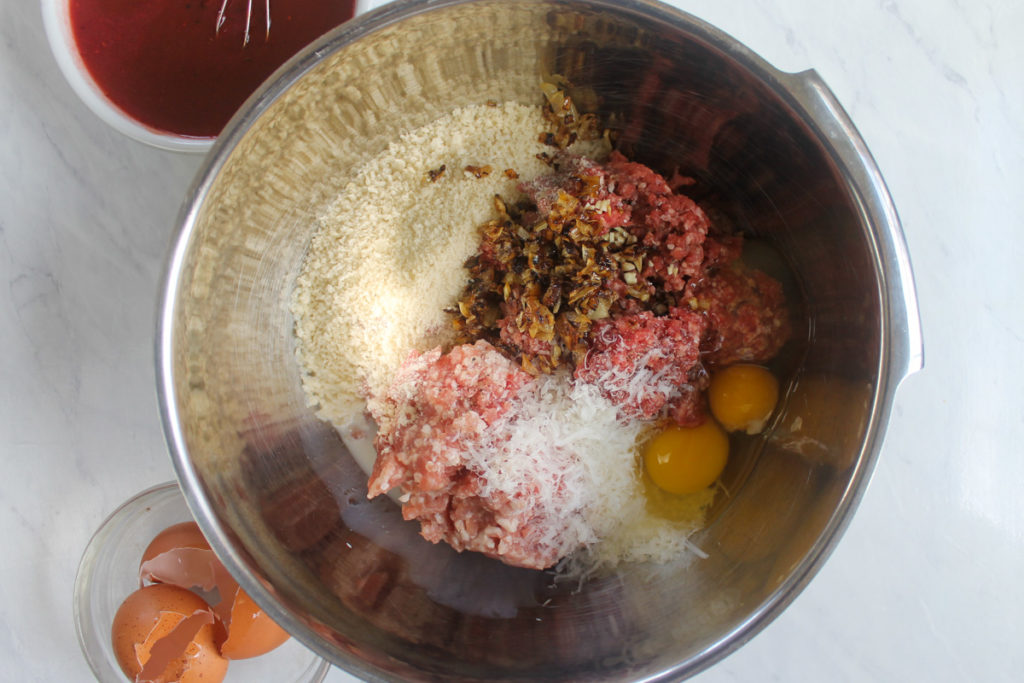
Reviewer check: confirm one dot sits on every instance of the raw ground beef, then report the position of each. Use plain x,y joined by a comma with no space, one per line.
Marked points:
584,180
622,193
510,332
671,224
437,421
747,317
644,363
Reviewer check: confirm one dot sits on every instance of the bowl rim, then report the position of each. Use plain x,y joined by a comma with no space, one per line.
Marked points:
804,93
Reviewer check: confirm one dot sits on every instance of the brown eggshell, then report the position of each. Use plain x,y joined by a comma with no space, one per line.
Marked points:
181,535
181,556
164,634
250,632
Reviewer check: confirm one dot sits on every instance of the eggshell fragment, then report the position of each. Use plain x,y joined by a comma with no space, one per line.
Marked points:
181,535
163,634
250,632
181,556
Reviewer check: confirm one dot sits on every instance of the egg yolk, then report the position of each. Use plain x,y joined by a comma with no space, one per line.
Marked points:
742,397
684,460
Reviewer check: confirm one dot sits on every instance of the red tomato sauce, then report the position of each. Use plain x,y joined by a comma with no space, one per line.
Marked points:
165,63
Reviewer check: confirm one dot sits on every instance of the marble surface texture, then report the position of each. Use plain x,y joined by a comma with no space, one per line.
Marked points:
926,583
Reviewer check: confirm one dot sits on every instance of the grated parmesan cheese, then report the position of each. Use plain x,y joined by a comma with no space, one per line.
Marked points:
566,434
609,504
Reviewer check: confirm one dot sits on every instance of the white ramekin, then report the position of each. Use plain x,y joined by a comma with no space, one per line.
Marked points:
62,42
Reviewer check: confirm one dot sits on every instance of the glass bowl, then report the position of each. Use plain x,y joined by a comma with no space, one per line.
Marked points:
108,573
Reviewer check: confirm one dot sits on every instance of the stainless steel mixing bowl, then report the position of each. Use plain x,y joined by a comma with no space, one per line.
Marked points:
276,491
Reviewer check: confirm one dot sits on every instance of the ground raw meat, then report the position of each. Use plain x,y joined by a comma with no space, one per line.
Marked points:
671,224
579,187
514,333
649,366
437,436
623,193
747,316
721,250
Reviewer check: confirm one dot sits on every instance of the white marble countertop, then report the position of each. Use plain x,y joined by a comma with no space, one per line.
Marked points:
926,583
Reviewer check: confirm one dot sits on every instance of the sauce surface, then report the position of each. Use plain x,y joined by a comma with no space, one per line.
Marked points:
165,64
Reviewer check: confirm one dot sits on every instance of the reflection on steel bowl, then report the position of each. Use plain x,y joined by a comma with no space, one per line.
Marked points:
282,499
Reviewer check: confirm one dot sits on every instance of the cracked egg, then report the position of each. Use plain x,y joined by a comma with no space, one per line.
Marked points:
148,589
191,618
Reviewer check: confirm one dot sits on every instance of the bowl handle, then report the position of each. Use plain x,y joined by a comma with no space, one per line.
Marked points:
906,353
